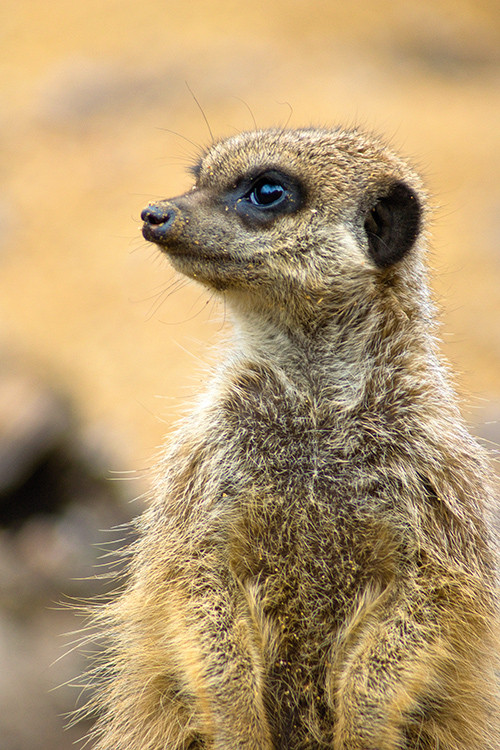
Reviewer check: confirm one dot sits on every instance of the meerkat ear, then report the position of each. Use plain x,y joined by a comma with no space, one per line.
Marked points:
392,225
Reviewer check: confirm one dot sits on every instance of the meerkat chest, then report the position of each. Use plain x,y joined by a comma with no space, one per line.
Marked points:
281,490
279,434
308,556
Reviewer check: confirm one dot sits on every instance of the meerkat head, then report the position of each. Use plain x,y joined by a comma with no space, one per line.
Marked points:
298,221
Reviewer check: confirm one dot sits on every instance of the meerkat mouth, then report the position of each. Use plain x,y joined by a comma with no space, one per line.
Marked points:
195,256
212,269
158,228
177,251
173,247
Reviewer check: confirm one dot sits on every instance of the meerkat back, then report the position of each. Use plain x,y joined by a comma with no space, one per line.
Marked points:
314,570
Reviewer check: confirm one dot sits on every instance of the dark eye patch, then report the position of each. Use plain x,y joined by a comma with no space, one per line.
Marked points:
265,196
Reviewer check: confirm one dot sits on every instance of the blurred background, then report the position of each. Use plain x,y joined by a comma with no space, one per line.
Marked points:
101,345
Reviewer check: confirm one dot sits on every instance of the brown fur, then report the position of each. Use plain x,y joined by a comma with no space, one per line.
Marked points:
314,571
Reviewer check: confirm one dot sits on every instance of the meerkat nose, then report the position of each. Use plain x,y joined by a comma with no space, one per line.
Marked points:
158,219
157,213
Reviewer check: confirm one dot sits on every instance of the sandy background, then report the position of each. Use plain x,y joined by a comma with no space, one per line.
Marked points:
96,120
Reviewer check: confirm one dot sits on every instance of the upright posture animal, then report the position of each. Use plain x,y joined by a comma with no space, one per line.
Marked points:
314,571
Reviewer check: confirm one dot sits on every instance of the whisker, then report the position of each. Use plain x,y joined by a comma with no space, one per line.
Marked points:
290,113
202,112
245,104
197,146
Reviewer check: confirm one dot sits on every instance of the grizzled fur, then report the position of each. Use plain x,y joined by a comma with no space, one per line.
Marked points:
314,571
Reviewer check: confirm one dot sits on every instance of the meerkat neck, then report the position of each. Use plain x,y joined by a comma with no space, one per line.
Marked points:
343,362
320,360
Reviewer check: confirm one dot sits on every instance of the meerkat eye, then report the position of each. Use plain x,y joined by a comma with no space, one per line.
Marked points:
260,199
267,192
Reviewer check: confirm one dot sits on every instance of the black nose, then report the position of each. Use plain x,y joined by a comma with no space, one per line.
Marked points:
158,213
158,219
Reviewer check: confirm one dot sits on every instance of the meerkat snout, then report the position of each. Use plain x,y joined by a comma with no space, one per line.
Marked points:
158,220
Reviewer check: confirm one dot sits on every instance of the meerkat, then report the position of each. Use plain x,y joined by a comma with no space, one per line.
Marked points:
314,570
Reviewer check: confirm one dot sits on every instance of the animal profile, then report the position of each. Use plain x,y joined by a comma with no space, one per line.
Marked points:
314,569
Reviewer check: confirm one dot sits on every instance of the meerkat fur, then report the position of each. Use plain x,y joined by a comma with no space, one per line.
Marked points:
314,570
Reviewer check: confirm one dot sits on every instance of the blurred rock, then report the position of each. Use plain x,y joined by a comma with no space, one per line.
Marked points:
55,507
33,421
